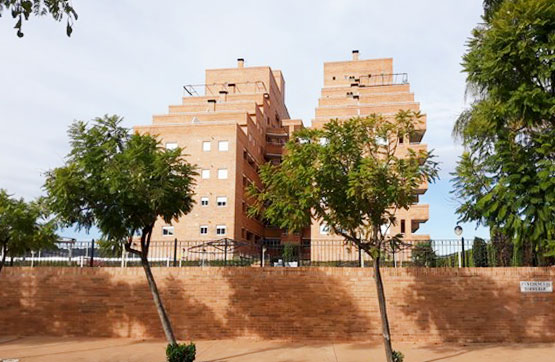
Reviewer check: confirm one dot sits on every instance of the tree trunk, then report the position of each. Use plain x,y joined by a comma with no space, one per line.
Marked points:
166,325
4,252
383,311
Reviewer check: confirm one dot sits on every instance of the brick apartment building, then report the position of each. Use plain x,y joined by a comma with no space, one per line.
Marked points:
241,121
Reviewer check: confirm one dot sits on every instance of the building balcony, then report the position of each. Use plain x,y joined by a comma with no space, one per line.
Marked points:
273,150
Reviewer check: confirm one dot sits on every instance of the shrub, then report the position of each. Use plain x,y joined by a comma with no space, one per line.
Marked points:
398,356
480,252
424,255
181,352
289,253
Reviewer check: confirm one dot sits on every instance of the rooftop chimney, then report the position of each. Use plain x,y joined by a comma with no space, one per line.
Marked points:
355,54
240,62
223,96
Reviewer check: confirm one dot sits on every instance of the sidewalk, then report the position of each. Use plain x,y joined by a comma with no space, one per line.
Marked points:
50,349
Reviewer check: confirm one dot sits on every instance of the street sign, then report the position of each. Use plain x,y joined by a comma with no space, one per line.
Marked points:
536,287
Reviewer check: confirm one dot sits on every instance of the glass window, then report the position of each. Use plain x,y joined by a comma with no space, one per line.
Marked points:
203,230
221,229
206,146
222,173
324,229
204,201
223,146
171,146
221,201
205,174
167,230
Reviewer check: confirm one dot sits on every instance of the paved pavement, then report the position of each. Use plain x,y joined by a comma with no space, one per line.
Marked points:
52,349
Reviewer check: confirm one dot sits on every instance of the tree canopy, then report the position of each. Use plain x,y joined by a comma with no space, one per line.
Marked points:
23,9
348,175
118,181
24,227
505,179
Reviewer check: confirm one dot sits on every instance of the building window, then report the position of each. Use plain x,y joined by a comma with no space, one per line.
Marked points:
324,229
221,229
167,230
381,141
403,226
205,174
206,146
223,146
204,201
221,201
203,230
222,173
171,146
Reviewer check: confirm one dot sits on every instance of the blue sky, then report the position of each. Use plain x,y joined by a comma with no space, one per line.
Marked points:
132,58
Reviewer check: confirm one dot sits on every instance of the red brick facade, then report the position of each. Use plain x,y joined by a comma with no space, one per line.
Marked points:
339,304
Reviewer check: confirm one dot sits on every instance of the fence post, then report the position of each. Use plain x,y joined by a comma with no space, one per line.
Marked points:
263,248
92,253
225,253
122,255
463,253
69,253
175,252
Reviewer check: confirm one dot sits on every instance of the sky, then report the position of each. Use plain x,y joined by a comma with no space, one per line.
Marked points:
132,57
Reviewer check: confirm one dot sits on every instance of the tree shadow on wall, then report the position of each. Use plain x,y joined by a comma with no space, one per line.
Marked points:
299,304
215,303
478,305
95,303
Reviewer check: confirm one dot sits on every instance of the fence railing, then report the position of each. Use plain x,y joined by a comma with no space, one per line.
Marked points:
227,252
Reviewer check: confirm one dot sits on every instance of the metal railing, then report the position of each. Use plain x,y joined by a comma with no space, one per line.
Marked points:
228,252
214,89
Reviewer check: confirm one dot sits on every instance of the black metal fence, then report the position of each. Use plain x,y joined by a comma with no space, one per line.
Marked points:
228,252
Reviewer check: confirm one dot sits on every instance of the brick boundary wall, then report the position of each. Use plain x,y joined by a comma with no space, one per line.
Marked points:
326,304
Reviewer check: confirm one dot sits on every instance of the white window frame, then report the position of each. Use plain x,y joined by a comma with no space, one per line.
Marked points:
205,174
220,174
203,199
171,145
221,227
206,146
168,230
223,146
203,228
222,200
324,229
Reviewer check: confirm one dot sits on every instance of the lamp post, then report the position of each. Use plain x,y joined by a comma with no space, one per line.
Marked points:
458,232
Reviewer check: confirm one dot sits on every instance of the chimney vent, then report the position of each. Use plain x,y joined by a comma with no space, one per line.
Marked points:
355,54
223,96
240,62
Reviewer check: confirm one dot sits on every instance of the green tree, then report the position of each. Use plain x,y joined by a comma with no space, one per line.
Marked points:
349,176
122,183
22,9
505,179
24,227
480,252
423,254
